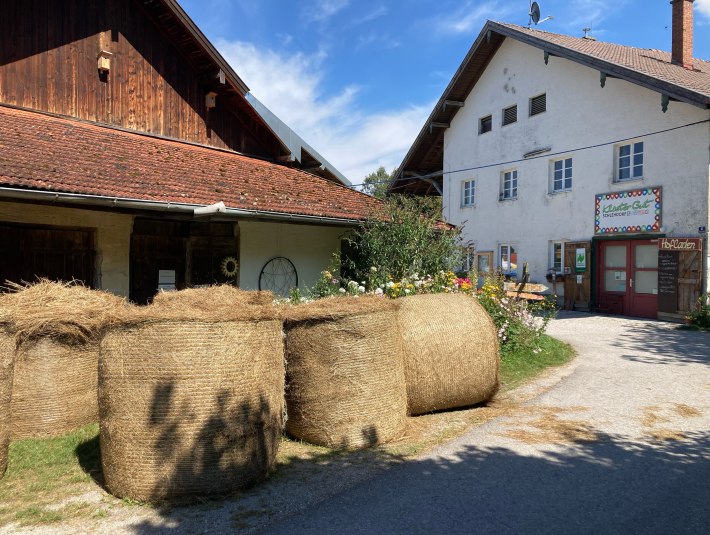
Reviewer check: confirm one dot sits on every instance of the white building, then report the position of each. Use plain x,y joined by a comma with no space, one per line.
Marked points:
578,158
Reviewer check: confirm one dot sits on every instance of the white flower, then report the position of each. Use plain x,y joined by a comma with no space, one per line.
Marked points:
407,290
363,283
418,284
361,289
378,291
373,269
342,290
352,284
390,284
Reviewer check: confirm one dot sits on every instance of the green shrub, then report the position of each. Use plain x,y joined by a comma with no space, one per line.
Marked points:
700,317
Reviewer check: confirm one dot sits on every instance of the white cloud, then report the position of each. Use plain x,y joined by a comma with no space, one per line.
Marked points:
354,141
473,15
378,12
324,9
590,12
703,6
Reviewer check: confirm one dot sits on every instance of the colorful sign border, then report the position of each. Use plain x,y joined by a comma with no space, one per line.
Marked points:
656,227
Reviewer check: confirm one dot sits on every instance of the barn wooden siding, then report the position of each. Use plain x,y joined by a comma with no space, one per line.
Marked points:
157,83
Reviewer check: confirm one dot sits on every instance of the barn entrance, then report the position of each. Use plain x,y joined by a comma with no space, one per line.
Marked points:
173,255
56,253
627,277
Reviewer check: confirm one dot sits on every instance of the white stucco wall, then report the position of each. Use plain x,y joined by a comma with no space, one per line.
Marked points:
579,114
113,236
309,247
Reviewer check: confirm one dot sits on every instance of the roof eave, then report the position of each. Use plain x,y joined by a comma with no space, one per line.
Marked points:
619,71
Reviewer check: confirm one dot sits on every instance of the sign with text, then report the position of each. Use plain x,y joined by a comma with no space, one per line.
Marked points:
680,244
623,212
580,260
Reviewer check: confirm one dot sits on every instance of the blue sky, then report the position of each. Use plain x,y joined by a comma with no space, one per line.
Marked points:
357,78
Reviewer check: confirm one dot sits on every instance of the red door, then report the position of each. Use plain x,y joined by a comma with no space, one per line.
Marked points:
628,277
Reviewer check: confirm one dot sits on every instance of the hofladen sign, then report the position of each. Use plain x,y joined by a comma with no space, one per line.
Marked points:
623,212
680,244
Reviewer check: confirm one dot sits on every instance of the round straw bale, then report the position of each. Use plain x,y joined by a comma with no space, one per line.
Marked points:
189,407
7,357
54,389
344,373
56,327
451,353
206,299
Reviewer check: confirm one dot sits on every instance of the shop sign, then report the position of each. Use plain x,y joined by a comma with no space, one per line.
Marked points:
623,212
580,260
680,244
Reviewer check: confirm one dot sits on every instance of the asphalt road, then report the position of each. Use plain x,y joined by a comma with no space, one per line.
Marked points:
620,444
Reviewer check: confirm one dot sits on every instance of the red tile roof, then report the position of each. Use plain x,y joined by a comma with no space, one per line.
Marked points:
654,63
42,152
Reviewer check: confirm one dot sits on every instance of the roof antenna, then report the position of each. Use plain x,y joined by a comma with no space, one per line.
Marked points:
586,33
534,15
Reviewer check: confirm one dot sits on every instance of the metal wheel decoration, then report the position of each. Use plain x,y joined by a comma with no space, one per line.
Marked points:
229,267
278,275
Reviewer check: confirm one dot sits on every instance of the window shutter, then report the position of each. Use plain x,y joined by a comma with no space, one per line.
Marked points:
538,104
510,115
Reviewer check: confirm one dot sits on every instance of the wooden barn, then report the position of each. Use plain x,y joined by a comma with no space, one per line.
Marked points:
131,159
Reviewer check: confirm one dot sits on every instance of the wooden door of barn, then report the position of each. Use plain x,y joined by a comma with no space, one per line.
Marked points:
690,268
56,253
578,281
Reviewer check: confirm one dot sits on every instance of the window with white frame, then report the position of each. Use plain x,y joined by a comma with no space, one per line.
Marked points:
468,193
557,256
507,259
562,175
629,161
509,185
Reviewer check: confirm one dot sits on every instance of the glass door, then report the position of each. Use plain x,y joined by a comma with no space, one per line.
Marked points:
643,282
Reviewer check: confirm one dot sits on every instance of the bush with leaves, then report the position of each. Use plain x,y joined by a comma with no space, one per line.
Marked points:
700,317
403,238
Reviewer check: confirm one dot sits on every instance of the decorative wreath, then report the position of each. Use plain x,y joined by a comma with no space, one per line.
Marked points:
229,267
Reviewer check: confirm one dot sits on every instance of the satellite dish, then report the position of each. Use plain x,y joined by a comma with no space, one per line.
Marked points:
535,13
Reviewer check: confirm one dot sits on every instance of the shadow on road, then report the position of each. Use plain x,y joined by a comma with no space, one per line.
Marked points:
653,344
607,486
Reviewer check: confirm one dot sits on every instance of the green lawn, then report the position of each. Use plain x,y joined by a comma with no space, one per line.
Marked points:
516,367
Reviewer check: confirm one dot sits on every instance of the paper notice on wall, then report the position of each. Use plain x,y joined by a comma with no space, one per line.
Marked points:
166,279
579,279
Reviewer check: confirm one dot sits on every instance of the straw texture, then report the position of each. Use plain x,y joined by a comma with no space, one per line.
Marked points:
205,299
54,388
56,327
345,376
7,357
451,353
189,407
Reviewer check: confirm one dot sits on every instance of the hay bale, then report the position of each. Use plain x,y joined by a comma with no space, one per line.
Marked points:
205,299
344,372
190,402
7,357
56,328
451,352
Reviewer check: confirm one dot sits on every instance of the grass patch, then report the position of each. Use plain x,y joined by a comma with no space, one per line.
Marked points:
42,473
520,365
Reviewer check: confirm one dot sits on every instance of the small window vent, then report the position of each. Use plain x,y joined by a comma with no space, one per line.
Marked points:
510,115
538,104
485,124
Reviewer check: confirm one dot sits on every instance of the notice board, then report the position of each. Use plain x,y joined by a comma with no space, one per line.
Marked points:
668,262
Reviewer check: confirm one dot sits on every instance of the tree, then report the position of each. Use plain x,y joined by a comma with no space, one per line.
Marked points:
403,238
376,183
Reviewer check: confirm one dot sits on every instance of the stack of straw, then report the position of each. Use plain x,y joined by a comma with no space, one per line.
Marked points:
191,395
7,359
451,353
56,328
345,376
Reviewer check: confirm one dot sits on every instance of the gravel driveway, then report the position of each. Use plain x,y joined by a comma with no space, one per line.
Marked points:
618,441
621,444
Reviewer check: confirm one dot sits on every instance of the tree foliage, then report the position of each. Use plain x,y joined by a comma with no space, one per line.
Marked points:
376,183
402,239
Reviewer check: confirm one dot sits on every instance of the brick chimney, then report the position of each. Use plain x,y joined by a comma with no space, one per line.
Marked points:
682,51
